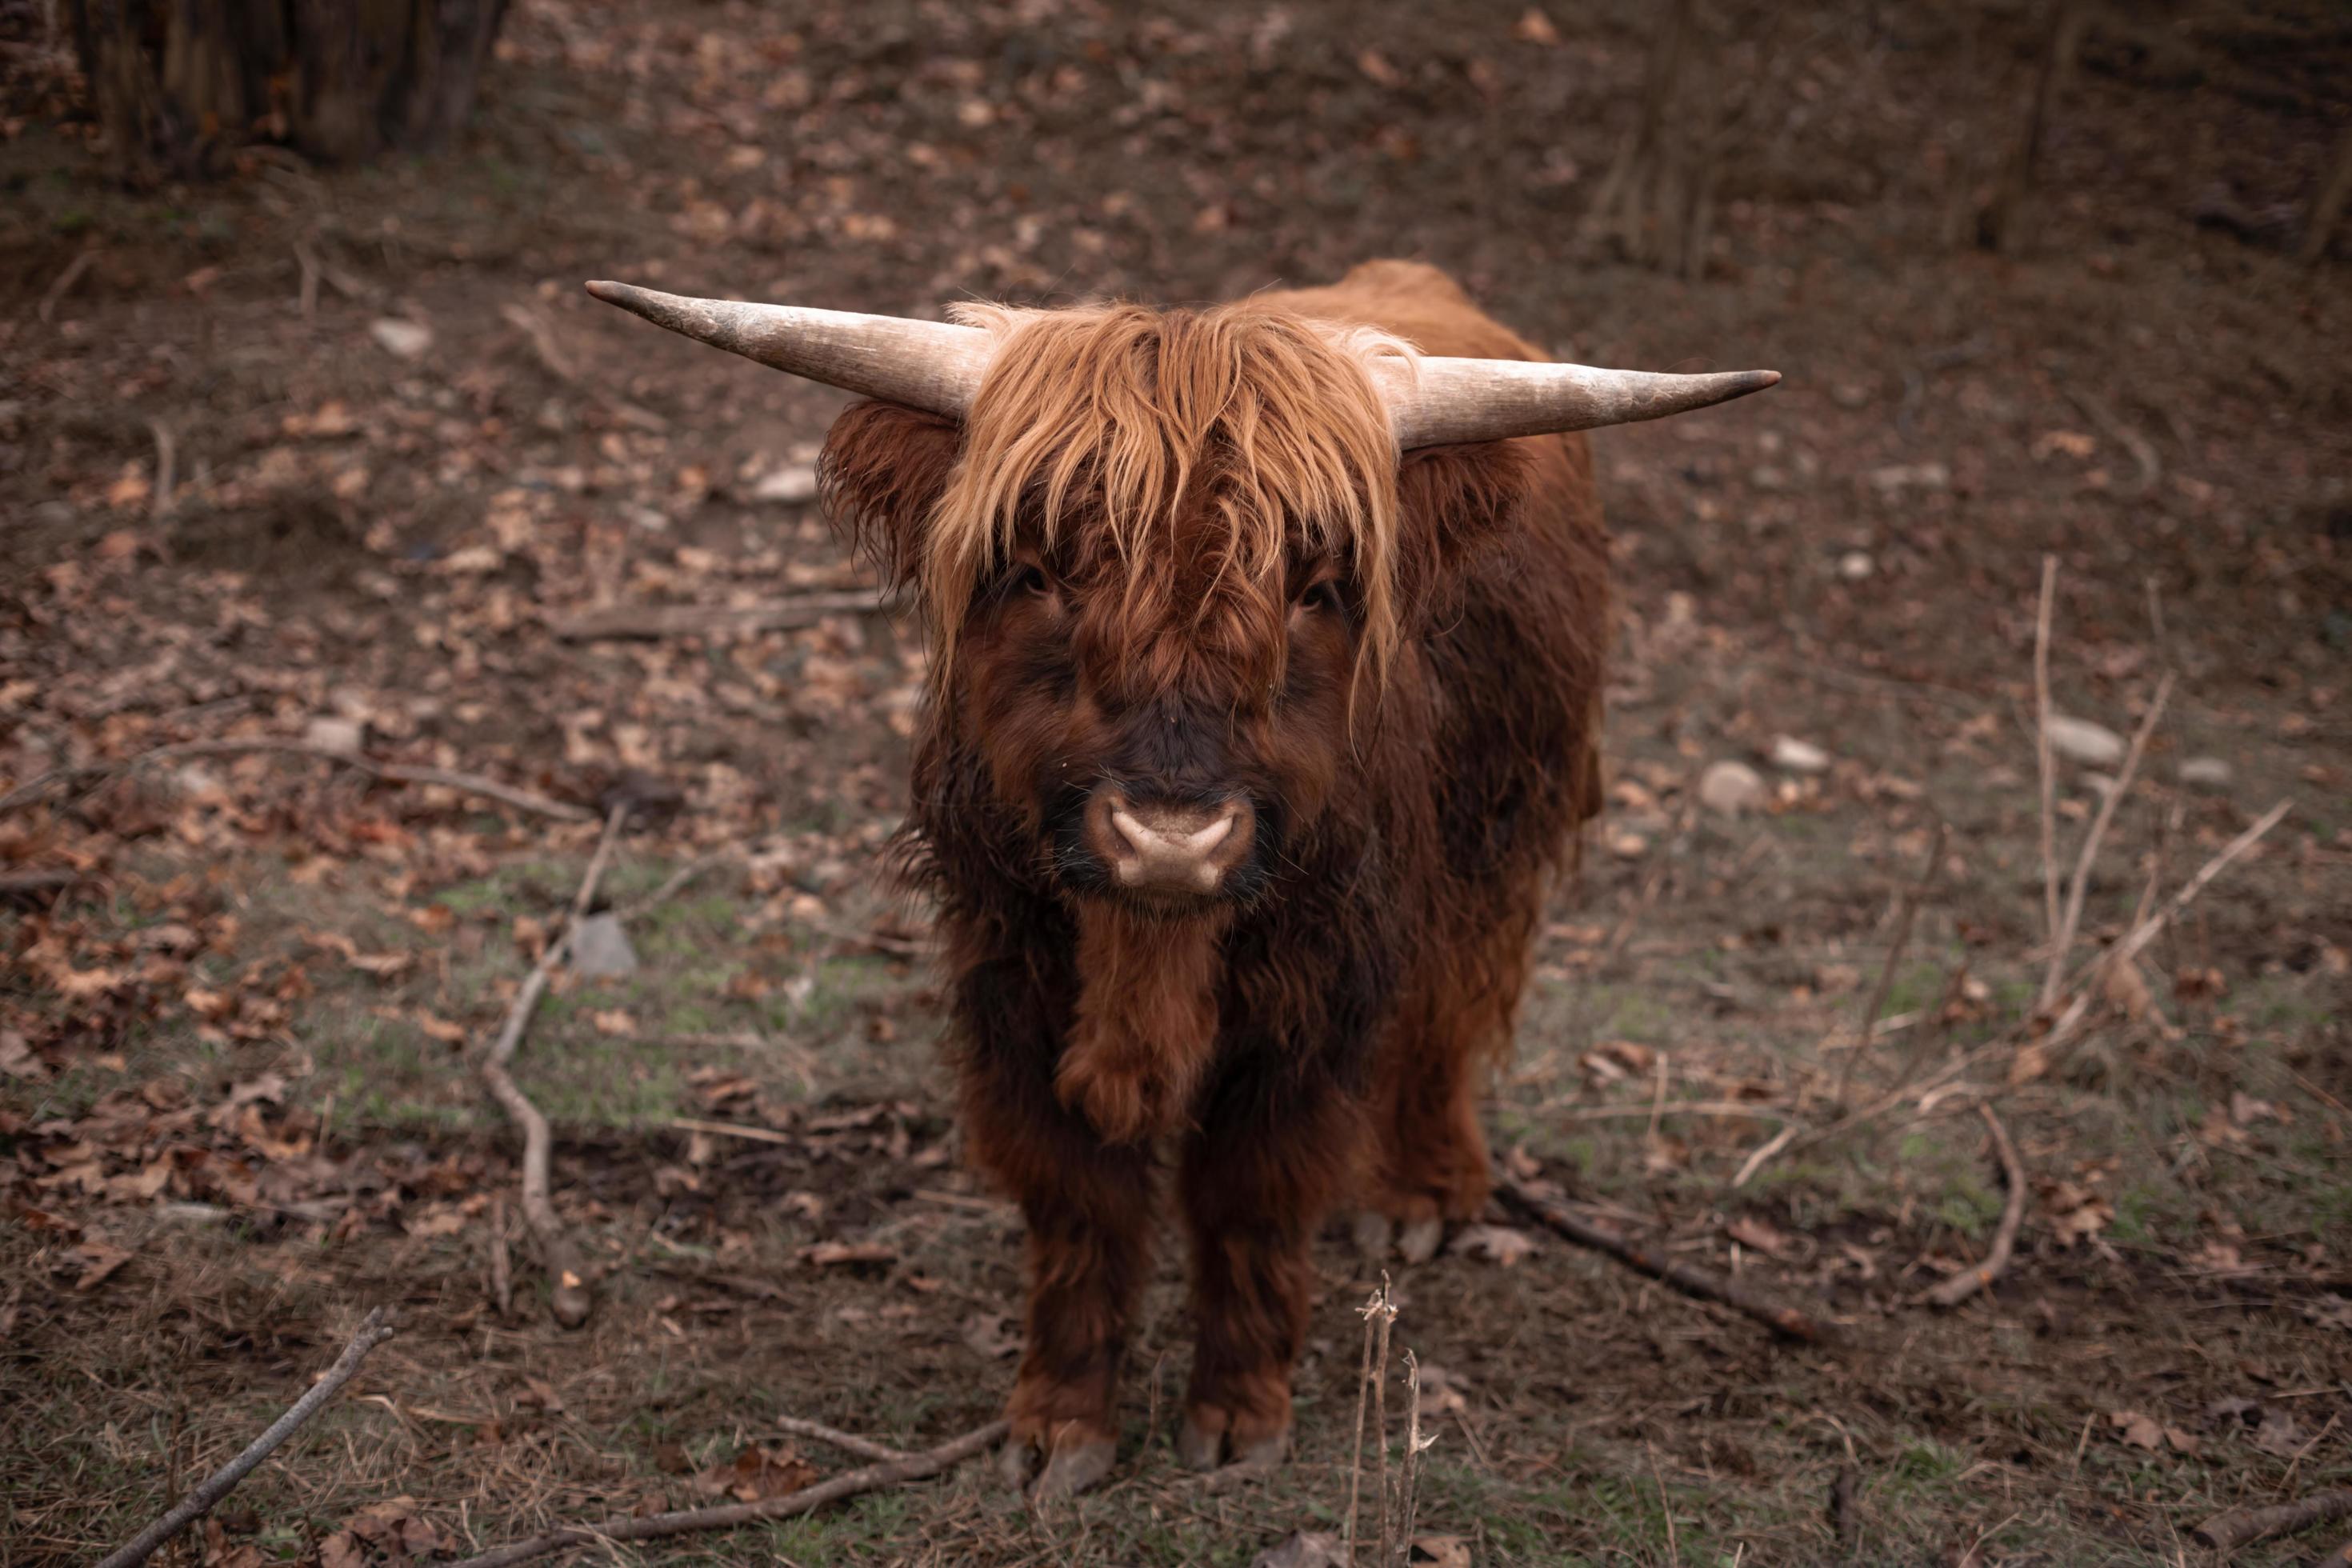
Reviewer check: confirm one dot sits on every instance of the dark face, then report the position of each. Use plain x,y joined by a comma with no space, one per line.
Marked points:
1162,732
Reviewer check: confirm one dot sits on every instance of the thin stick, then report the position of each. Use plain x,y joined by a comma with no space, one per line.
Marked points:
864,1447
1666,1508
568,1296
2041,752
159,500
2239,1527
1356,1453
396,773
1764,1151
654,1526
374,1329
732,1130
1410,1503
2146,931
66,280
1904,914
1733,1108
1968,1281
1688,1278
1383,1321
2070,920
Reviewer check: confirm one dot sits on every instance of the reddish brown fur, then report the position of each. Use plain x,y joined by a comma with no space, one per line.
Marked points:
1418,749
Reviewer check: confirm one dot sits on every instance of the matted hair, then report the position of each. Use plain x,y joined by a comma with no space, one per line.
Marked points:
1115,413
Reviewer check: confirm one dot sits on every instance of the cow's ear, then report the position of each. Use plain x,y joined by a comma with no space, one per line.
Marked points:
1453,502
883,471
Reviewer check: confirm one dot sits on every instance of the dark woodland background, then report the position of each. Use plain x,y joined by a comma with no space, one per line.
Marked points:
316,470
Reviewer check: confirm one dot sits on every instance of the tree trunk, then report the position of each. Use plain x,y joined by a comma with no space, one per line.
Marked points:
179,83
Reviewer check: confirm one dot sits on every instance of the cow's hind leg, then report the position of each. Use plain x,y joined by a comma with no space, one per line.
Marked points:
1428,1152
1270,1152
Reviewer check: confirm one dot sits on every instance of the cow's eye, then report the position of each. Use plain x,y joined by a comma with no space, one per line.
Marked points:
1321,595
1029,580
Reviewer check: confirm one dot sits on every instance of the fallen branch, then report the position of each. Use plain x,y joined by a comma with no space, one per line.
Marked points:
864,1447
374,1329
2043,760
654,621
1904,916
2239,1527
654,1526
568,1296
2070,920
1686,1277
2143,454
1968,1281
395,773
65,282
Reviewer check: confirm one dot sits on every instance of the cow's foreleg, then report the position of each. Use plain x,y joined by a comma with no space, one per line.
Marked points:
1266,1162
1090,1211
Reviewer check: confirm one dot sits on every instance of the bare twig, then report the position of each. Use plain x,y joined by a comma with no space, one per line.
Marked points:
373,1330
2328,207
850,1442
502,1261
2143,452
1409,1500
654,1526
159,500
1968,1281
1905,912
65,282
396,773
1763,1153
2043,758
2243,1526
733,1130
2071,918
654,621
1686,1277
2146,929
1384,1315
569,1299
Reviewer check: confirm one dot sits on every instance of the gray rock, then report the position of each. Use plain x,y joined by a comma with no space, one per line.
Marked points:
1793,755
601,950
402,340
2206,773
1731,789
791,485
342,736
2080,741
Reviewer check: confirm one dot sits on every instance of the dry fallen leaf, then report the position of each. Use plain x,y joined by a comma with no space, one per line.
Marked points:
2140,1431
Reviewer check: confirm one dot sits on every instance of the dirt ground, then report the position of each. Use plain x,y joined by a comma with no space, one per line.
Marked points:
337,454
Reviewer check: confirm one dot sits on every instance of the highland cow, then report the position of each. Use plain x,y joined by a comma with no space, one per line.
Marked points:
1267,669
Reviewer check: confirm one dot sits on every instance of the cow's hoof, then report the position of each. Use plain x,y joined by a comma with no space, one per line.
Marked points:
1075,1468
1375,1233
1420,1239
1197,1448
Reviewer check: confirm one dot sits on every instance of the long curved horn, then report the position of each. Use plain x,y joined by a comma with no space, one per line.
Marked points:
931,365
1442,402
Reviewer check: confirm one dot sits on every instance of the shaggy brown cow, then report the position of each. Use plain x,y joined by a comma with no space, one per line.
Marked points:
1267,672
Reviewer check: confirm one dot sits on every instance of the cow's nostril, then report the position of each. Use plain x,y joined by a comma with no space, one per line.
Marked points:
1153,846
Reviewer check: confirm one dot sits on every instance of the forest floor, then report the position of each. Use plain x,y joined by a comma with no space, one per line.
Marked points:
332,456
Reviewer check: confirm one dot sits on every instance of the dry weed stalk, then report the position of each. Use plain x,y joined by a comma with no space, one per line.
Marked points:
2061,939
1968,1281
1905,911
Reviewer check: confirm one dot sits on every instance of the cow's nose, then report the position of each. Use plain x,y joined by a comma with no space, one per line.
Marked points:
1160,846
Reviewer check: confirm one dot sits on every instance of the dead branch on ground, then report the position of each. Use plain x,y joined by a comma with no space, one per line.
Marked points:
655,621
654,1526
1968,1281
395,773
1907,910
374,1329
568,1295
848,1442
1689,1279
2227,1532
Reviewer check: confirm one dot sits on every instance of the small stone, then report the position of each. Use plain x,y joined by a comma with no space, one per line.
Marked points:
2205,773
402,340
1856,564
2080,741
2099,783
1896,478
601,950
792,485
342,736
1793,755
1731,789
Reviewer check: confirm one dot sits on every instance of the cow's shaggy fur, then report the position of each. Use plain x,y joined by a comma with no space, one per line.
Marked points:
1177,553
